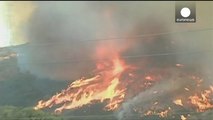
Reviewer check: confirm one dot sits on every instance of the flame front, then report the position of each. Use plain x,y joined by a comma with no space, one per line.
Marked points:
114,82
103,86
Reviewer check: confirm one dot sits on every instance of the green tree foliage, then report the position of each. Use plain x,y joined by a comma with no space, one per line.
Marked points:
18,113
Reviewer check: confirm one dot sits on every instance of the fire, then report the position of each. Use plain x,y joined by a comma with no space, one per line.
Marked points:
162,114
187,89
113,82
103,86
183,117
178,102
179,65
148,78
155,103
202,101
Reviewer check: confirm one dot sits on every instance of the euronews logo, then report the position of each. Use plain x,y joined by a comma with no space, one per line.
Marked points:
185,12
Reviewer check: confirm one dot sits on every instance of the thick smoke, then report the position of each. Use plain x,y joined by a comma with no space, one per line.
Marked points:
57,33
62,36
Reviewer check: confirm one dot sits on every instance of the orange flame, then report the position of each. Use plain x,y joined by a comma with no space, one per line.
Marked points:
101,87
148,78
162,114
183,117
202,101
178,102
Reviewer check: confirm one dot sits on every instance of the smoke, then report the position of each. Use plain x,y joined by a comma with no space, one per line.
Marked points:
146,98
53,33
60,33
63,36
202,116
